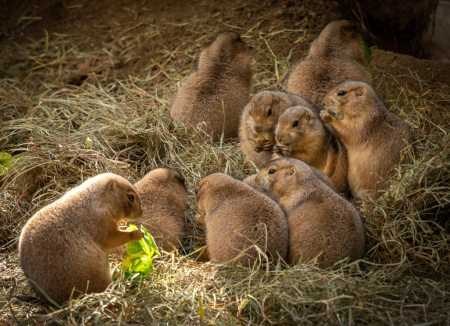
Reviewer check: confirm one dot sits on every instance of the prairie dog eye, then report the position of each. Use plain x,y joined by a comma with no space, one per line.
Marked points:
342,93
196,191
131,198
295,124
272,171
270,112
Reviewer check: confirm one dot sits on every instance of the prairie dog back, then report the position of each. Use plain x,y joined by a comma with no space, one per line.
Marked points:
164,202
238,218
336,55
218,91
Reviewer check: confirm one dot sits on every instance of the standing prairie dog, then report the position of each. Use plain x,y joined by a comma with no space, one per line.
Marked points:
336,55
164,201
323,225
219,90
373,136
301,134
258,121
238,217
65,245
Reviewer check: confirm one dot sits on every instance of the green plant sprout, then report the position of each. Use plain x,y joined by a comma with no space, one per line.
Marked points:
138,261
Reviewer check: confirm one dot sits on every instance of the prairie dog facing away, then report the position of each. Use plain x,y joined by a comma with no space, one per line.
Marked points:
258,121
238,217
302,135
66,244
219,90
322,223
336,55
164,202
374,137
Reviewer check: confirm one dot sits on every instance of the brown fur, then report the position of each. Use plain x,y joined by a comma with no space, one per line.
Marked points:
336,55
256,129
374,137
322,223
301,134
250,180
66,244
218,91
164,201
237,217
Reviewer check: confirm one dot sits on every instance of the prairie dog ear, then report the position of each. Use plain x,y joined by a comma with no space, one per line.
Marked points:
360,91
111,186
275,101
348,30
292,170
178,177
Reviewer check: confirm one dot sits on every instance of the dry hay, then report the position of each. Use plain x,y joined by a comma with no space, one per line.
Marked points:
61,134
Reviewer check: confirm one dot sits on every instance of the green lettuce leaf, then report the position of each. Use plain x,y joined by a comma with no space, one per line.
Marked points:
138,261
6,162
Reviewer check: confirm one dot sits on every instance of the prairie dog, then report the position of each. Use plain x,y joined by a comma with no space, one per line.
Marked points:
301,134
258,121
219,90
374,137
164,201
322,223
66,244
336,55
237,217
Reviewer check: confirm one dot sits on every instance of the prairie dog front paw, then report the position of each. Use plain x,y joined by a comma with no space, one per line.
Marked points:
136,235
200,218
258,144
326,116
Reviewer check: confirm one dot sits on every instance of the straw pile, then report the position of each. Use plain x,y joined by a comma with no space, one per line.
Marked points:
67,115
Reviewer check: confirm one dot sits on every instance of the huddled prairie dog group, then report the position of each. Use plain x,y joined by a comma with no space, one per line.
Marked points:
336,55
258,121
217,92
327,134
164,202
323,225
374,136
239,220
64,247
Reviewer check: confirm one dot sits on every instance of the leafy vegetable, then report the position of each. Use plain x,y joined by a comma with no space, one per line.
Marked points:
138,261
6,162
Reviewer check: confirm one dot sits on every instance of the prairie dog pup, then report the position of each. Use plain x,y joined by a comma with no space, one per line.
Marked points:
66,244
237,217
218,91
302,135
374,136
258,121
322,223
336,55
164,201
